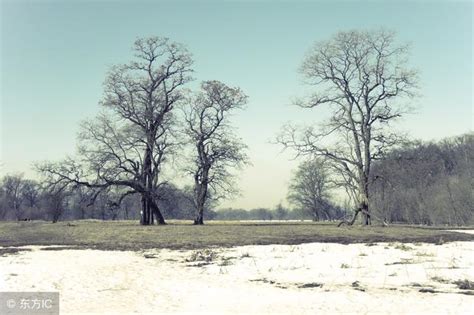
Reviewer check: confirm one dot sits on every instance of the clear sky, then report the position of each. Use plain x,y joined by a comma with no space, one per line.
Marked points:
54,56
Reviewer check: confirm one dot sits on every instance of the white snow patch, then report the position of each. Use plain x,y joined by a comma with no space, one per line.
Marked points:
462,231
250,279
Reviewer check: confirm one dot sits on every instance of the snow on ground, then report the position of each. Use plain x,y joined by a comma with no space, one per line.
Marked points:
462,231
271,279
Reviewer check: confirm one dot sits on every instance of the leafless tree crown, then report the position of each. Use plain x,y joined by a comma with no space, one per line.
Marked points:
126,146
363,77
216,147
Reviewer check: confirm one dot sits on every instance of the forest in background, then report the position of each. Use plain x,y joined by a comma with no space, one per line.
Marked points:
426,183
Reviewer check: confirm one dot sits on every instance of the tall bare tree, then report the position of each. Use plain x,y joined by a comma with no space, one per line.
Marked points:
127,144
217,149
363,76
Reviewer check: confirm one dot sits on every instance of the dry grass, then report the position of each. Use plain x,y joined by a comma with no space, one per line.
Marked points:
129,235
465,284
206,255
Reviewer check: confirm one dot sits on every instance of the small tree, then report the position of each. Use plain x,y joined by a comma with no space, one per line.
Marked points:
30,193
362,76
217,149
12,188
309,189
55,201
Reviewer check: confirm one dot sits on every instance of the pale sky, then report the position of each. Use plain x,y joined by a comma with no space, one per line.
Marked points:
54,56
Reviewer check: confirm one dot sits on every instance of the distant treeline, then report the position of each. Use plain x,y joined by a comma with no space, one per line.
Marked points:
24,199
426,183
277,213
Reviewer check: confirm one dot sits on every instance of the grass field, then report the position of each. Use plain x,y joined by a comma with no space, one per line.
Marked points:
129,235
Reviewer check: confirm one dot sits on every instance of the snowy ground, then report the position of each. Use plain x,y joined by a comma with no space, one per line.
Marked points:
312,278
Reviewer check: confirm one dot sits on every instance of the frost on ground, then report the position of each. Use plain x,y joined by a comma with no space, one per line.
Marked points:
317,278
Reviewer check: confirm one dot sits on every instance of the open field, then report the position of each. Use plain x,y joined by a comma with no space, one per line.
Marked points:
129,235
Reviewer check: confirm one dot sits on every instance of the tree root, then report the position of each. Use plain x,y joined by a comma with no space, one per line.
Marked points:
351,222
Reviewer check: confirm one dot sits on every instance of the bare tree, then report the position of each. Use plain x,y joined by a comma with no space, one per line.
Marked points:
126,146
30,193
12,188
362,76
216,147
309,189
80,202
55,202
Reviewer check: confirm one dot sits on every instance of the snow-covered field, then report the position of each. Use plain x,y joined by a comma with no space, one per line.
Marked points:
317,278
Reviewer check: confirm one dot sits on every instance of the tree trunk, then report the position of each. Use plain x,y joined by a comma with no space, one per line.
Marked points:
200,200
366,213
200,195
149,207
364,197
199,219
351,222
157,213
150,210
146,213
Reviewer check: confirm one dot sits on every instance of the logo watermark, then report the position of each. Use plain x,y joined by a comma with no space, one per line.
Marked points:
29,303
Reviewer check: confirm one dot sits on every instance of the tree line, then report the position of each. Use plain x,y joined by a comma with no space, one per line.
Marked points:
429,183
25,199
426,183
420,182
